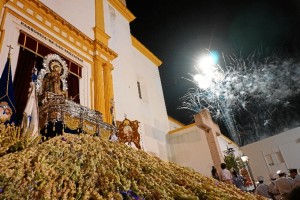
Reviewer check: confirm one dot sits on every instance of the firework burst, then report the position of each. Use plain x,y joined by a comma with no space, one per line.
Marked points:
247,95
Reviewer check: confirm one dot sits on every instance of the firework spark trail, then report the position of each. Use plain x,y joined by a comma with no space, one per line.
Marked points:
256,86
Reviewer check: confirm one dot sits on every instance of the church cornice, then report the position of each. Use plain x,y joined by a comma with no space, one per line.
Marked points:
122,9
99,46
43,9
42,14
178,130
176,121
139,46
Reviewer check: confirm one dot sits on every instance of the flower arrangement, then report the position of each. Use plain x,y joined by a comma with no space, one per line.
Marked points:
14,138
86,167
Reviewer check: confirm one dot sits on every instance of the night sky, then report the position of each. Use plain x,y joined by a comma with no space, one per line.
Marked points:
178,33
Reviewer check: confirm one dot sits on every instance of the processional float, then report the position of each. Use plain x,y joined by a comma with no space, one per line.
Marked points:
58,113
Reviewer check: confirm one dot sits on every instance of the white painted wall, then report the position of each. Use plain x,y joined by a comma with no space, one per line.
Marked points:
130,67
188,147
281,151
80,13
174,124
151,108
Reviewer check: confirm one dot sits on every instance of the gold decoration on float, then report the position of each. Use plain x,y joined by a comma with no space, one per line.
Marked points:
71,122
89,128
105,134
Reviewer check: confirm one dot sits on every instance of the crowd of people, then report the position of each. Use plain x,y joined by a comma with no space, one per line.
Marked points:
282,186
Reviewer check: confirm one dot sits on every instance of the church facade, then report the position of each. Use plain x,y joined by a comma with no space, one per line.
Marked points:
110,71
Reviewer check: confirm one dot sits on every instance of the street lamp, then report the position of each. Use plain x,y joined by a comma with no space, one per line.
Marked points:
245,159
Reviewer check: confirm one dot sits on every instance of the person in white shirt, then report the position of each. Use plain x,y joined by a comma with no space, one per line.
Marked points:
272,188
295,176
262,189
283,184
226,174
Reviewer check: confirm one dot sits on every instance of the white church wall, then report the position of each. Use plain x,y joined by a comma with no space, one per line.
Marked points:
130,67
150,108
151,104
174,124
118,28
273,153
188,147
124,76
80,13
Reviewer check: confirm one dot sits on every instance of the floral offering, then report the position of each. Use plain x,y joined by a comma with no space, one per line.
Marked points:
87,167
